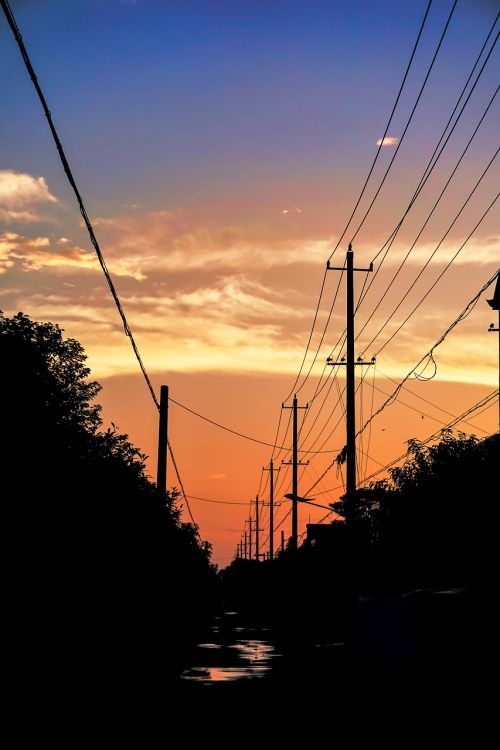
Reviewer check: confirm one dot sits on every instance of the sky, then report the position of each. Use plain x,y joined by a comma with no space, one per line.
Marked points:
220,148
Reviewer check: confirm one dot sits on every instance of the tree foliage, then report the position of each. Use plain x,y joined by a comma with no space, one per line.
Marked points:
431,520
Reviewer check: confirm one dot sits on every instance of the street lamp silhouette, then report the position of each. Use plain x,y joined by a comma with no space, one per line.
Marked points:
291,496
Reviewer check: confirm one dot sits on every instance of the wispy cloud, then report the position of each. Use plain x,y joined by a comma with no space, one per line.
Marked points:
36,254
389,140
19,192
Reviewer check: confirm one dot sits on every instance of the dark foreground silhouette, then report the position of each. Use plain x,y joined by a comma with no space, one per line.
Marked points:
106,585
385,626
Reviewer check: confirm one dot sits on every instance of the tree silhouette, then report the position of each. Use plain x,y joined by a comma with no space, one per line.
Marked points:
107,583
431,522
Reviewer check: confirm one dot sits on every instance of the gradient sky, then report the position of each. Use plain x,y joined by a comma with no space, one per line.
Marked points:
219,148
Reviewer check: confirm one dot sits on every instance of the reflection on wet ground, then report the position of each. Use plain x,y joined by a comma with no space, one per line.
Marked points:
232,653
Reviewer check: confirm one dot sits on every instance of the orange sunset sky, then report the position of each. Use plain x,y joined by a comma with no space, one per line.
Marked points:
220,148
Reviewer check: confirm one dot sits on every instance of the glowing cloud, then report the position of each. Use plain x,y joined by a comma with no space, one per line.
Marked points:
19,191
389,140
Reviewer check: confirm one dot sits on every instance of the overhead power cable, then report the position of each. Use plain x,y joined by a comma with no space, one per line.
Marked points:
464,313
486,401
437,153
235,432
363,189
218,502
407,123
390,241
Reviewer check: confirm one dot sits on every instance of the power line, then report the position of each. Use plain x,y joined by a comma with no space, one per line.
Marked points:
219,502
487,400
465,312
363,189
426,400
234,432
431,164
479,405
69,175
180,483
392,398
408,121
425,176
380,145
390,242
414,408
435,282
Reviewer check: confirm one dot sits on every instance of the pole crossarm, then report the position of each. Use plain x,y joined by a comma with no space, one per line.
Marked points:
359,361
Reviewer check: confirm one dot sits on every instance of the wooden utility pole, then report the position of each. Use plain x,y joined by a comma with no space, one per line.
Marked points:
272,506
257,528
350,450
295,464
250,538
495,305
161,473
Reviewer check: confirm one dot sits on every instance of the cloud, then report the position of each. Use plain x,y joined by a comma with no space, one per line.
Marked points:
389,140
145,243
35,254
20,191
218,476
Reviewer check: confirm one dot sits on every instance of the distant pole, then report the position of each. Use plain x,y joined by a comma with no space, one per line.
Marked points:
257,528
350,450
250,539
272,506
282,540
246,549
161,474
295,464
271,510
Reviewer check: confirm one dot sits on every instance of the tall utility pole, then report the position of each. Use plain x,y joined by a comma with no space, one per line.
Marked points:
282,540
272,506
161,473
257,528
245,547
350,364
295,464
495,305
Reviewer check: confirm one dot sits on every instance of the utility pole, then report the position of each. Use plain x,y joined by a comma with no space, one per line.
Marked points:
257,528
246,550
495,305
161,473
295,464
282,540
350,451
250,539
272,506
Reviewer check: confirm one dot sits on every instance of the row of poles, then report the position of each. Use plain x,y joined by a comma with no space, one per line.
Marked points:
249,546
350,452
